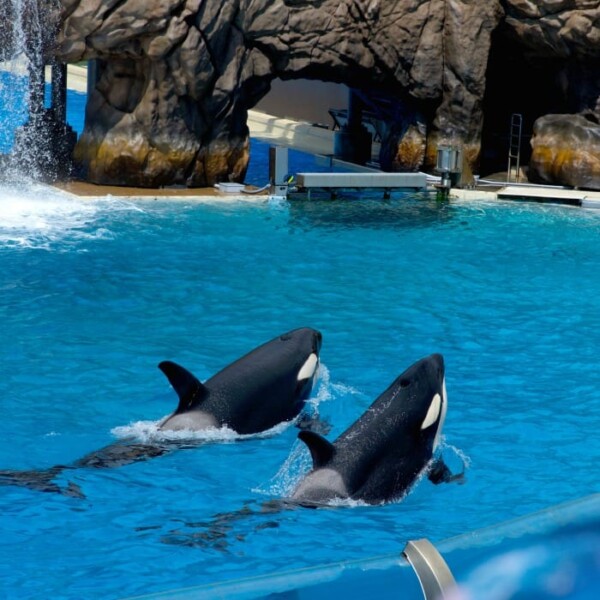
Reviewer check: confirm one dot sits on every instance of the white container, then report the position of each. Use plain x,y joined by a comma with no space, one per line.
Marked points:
230,188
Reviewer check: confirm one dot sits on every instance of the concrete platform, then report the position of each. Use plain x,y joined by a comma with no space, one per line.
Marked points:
380,180
531,193
296,134
543,193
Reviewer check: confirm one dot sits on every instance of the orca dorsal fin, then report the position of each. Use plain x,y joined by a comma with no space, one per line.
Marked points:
190,390
321,450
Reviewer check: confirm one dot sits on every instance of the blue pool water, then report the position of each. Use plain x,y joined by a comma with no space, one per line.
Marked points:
93,294
13,107
551,554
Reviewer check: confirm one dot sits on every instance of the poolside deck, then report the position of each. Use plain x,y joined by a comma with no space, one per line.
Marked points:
487,190
527,193
83,189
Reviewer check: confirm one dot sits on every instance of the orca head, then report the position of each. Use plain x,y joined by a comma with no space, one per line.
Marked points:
421,389
305,343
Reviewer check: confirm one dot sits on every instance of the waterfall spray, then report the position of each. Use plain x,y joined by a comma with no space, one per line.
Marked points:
20,41
42,143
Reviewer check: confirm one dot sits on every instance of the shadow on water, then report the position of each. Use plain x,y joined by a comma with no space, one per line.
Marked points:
220,530
223,530
112,456
354,211
129,451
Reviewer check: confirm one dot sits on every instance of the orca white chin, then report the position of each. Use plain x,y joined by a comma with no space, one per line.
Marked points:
309,368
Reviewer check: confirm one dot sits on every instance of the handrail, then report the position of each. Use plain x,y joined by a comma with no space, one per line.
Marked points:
434,575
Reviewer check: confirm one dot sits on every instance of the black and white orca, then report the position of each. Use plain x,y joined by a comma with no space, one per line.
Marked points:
379,457
267,386
253,394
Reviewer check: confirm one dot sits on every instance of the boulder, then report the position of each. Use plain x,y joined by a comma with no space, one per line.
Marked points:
566,151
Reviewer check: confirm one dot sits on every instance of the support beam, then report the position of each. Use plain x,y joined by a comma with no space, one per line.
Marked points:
354,141
37,82
59,92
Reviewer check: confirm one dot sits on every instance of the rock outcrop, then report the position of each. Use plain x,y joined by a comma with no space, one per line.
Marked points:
544,59
176,77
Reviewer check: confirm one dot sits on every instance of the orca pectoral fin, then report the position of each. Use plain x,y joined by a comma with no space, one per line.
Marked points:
321,450
440,473
190,390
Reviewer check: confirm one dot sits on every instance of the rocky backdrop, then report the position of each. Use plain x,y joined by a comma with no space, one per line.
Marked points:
176,78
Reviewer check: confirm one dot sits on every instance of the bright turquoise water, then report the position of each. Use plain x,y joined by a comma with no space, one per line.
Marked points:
93,294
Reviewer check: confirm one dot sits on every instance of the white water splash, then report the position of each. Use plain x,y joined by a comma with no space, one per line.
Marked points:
149,431
327,390
464,458
321,391
299,462
284,482
26,29
350,503
25,43
39,216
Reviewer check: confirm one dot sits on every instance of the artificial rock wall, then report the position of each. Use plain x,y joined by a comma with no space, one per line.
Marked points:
176,77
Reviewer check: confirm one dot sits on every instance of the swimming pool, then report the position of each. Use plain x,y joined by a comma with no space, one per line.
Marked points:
93,294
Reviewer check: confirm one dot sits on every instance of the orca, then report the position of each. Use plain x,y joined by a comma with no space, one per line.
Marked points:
267,386
376,460
263,388
381,455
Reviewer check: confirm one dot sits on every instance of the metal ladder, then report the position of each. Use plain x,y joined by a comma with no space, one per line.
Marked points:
514,146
